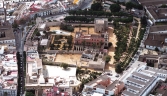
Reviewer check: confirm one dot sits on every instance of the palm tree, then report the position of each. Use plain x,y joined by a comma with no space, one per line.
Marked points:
79,26
58,46
88,29
83,43
64,47
101,43
94,45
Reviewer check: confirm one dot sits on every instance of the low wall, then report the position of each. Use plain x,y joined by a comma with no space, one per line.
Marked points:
50,24
56,64
91,68
64,52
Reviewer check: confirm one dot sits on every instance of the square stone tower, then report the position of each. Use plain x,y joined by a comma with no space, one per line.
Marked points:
101,25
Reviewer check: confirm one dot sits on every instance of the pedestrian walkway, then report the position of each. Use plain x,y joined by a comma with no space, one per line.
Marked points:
138,29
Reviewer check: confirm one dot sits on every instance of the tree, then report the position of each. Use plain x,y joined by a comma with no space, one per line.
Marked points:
83,43
52,47
44,32
88,29
38,34
29,94
80,27
96,7
140,7
94,45
156,49
115,8
129,5
118,68
22,21
69,39
116,24
64,46
64,65
107,58
58,46
163,6
144,20
15,25
109,44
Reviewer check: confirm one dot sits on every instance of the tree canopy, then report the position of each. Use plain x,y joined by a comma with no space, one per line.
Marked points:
29,94
130,5
118,68
15,25
64,65
163,6
144,20
107,58
96,7
115,8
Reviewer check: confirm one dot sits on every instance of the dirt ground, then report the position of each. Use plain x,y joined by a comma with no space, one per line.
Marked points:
113,39
54,28
68,58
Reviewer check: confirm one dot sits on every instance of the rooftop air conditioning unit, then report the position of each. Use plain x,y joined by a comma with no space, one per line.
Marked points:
57,92
62,94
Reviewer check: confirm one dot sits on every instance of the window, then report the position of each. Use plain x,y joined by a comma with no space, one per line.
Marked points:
106,92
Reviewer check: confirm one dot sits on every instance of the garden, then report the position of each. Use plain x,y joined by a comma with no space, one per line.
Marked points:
60,42
124,51
85,76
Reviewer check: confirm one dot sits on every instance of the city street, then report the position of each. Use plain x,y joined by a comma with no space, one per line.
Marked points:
86,4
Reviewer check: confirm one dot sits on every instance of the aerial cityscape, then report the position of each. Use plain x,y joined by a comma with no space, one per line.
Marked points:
83,47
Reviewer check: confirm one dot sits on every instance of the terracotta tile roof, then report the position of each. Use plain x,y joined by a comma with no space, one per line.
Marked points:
158,13
157,28
156,40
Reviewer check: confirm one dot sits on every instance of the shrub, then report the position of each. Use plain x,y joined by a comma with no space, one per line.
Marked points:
64,65
107,58
67,27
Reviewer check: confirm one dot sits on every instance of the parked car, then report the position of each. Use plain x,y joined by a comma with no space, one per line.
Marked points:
117,75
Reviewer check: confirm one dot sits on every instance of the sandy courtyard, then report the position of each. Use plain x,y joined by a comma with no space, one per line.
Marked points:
54,28
113,39
111,51
85,29
68,58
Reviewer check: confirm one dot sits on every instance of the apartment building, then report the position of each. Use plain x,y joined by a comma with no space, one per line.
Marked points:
57,91
103,85
141,81
31,46
157,38
153,10
6,34
156,60
9,60
159,89
8,74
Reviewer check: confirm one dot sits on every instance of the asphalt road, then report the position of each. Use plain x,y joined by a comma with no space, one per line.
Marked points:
86,4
